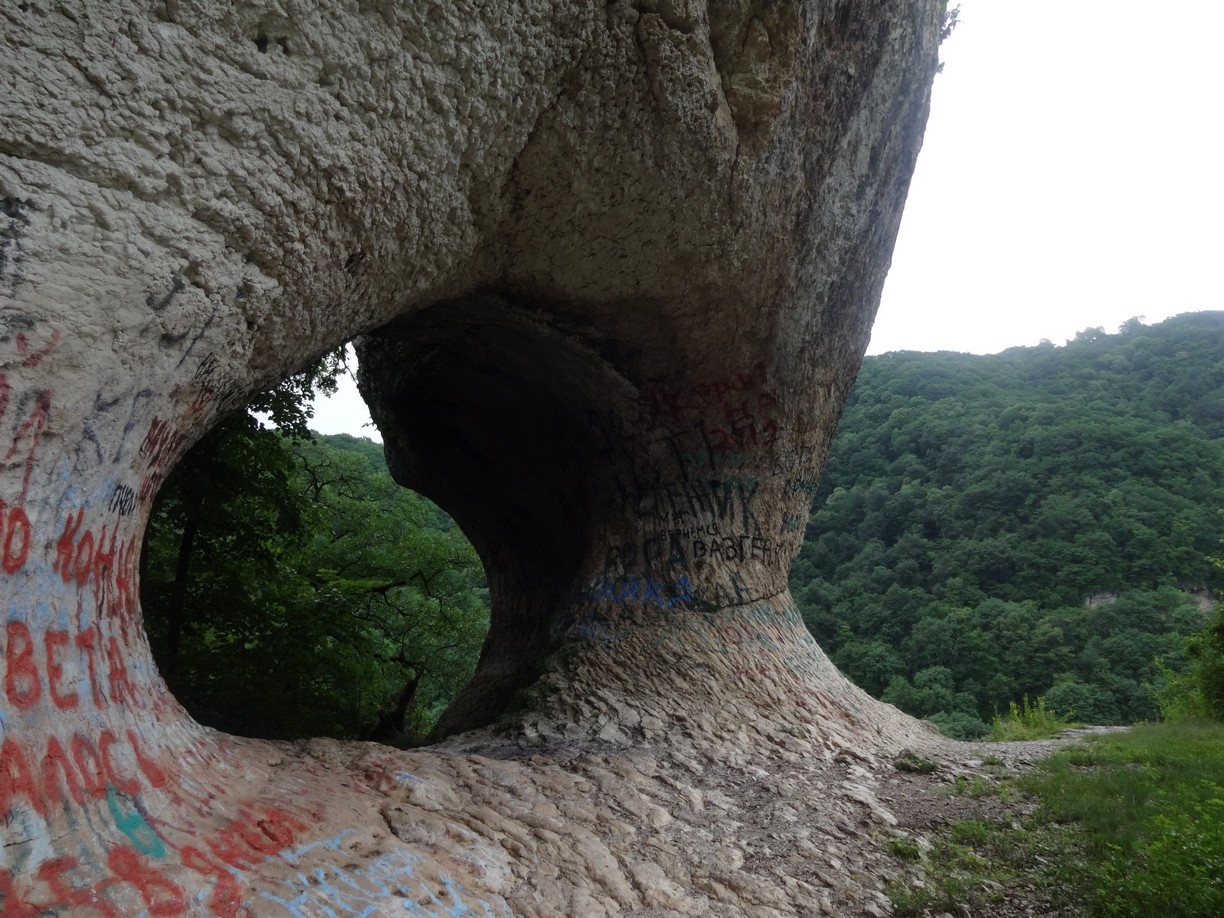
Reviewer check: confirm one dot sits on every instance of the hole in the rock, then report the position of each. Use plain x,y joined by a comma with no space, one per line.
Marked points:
291,588
514,428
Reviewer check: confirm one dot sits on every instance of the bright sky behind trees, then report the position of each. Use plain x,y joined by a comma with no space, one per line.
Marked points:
1071,178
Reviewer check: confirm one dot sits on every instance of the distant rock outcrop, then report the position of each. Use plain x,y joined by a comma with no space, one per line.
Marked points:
615,266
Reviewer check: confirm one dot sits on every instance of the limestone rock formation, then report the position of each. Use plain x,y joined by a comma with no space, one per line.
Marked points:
615,266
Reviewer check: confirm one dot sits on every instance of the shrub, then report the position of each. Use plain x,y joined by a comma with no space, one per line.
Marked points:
959,725
1074,700
1025,722
1198,692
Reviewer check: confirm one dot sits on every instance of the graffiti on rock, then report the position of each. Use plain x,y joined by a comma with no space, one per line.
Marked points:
26,682
644,591
731,414
141,865
167,835
14,538
351,889
728,500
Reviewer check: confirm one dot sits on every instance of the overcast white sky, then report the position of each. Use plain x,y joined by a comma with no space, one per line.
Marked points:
1071,178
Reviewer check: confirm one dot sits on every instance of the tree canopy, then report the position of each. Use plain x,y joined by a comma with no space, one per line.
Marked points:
1038,521
291,588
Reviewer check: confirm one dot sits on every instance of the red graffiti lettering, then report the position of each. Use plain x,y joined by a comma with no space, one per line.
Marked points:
62,893
52,641
125,575
16,779
15,527
280,827
15,906
54,759
32,360
83,776
89,763
161,895
124,784
260,840
64,547
161,444
103,558
21,682
227,848
120,687
24,675
83,562
149,486
226,898
152,771
88,642
244,842
80,555
32,428
203,399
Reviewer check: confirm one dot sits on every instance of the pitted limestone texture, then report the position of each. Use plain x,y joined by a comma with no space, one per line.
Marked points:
613,266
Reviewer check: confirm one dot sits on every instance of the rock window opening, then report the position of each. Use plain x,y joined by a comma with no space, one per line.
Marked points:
292,589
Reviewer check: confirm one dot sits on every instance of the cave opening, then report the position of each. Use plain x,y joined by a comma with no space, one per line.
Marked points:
522,430
292,589
298,585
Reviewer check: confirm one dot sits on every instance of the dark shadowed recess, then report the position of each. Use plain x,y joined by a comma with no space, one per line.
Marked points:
504,422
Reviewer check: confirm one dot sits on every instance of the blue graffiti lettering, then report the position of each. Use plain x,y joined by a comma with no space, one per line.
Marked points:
335,890
648,591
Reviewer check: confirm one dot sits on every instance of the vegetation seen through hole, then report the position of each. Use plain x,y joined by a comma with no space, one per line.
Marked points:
291,588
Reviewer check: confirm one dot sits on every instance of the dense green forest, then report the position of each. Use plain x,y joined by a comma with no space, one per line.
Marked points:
291,588
1036,522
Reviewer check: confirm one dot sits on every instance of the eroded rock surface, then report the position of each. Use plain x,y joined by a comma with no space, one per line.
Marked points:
615,266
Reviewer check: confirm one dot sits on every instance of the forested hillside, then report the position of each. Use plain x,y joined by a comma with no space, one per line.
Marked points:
291,588
1034,522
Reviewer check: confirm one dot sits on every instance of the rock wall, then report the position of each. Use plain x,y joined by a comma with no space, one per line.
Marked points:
615,265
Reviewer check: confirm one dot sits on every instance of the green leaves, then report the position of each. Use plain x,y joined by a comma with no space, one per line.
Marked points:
289,404
291,589
1151,804
1042,478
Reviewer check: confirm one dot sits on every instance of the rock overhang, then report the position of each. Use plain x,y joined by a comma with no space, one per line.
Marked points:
663,230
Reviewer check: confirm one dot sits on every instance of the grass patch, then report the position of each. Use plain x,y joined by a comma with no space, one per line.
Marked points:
1128,825
975,786
903,849
975,864
1151,802
915,764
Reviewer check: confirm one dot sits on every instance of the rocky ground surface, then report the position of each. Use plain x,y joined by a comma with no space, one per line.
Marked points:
779,826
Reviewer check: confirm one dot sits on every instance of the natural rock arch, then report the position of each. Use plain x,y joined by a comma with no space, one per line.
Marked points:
616,266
